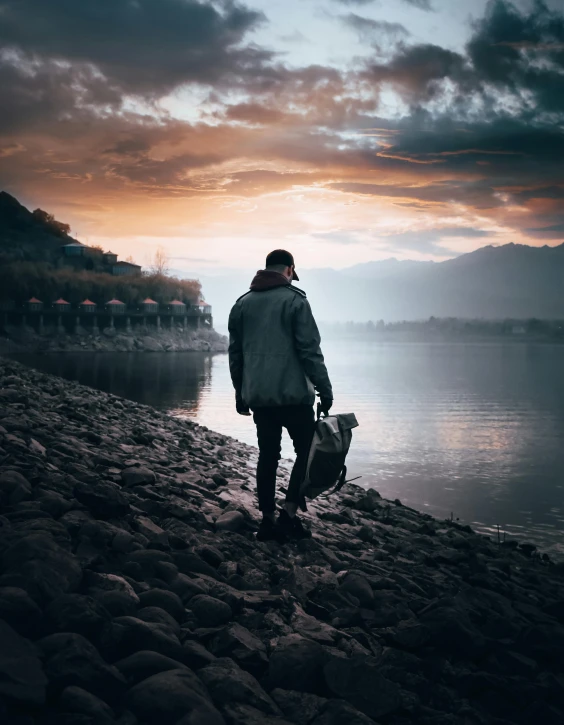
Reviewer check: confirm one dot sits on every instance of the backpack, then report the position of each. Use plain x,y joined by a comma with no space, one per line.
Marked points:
326,461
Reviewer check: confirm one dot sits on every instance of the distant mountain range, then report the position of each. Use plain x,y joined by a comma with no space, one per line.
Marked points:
510,281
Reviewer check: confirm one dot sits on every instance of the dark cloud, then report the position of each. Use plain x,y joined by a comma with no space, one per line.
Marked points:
143,47
420,4
375,32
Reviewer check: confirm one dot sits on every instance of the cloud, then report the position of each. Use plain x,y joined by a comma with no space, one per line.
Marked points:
420,4
375,32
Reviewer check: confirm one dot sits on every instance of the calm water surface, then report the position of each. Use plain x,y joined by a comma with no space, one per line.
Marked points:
472,429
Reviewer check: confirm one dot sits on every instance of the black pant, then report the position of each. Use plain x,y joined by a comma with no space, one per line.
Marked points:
299,421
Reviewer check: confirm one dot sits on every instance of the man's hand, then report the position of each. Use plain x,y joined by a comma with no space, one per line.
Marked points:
326,404
242,408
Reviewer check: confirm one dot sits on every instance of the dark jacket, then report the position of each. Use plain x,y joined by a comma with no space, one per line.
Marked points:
274,353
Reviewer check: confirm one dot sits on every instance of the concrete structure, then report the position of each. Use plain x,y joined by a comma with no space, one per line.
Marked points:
149,306
110,258
74,249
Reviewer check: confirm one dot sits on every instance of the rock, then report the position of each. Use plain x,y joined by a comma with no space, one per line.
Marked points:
241,714
13,488
297,664
19,610
76,613
244,647
21,674
137,476
53,503
187,588
75,699
299,581
196,655
210,611
156,615
127,635
104,499
143,664
112,583
36,448
359,587
70,659
170,696
154,533
340,712
358,681
230,521
211,555
35,563
123,542
169,601
299,707
226,683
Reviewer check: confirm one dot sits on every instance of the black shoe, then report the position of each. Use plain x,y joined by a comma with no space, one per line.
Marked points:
291,527
267,530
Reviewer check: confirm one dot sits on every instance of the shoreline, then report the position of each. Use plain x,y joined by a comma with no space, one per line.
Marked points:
129,561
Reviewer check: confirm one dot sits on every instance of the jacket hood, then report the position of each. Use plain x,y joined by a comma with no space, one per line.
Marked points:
266,279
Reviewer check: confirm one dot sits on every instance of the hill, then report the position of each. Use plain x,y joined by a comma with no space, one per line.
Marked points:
509,281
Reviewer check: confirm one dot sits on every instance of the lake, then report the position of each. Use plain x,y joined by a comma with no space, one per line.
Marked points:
473,430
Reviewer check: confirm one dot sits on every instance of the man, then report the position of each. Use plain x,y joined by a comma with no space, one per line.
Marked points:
276,364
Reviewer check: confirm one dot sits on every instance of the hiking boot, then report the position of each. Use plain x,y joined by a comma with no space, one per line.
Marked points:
267,530
291,527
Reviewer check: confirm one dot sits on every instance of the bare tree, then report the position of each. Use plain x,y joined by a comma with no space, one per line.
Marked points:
161,262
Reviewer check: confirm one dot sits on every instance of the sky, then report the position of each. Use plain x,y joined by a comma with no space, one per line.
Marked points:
346,131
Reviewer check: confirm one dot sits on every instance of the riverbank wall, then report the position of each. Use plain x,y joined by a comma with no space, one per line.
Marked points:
133,591
112,339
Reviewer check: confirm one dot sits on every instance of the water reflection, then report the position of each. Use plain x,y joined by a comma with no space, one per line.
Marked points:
472,429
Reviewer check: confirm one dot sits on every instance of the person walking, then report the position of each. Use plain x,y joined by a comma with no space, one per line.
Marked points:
276,366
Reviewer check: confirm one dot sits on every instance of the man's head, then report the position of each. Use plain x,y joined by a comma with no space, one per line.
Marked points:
282,261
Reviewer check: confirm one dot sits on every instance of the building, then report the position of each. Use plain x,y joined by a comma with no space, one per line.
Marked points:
34,305
149,306
176,307
204,308
88,306
115,307
74,249
110,258
121,268
61,305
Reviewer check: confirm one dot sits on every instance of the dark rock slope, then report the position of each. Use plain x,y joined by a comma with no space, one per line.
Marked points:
132,589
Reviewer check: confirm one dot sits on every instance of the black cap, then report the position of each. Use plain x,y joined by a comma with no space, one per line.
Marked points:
281,256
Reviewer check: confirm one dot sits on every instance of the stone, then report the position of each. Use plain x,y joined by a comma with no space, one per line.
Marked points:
137,476
35,563
299,581
359,587
210,611
53,503
242,714
76,613
103,499
70,659
230,521
112,583
226,683
75,699
123,542
127,635
340,712
143,664
169,696
297,664
13,488
299,707
211,555
21,674
169,601
186,588
196,655
243,646
118,604
154,533
19,610
156,615
358,681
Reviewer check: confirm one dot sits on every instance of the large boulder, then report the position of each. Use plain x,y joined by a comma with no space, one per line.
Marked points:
243,646
170,696
37,564
103,499
76,613
143,664
134,476
13,488
209,611
19,610
169,601
75,699
226,682
297,664
299,707
359,681
21,675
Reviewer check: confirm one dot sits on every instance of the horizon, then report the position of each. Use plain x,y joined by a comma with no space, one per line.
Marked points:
341,129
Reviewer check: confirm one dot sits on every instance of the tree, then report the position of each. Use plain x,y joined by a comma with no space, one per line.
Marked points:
161,262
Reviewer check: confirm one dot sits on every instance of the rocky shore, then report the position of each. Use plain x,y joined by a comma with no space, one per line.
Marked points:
132,590
17,339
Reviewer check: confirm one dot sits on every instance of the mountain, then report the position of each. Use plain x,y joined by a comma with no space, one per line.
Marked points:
509,281
29,236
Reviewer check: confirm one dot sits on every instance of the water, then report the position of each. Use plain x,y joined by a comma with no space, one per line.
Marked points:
476,430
